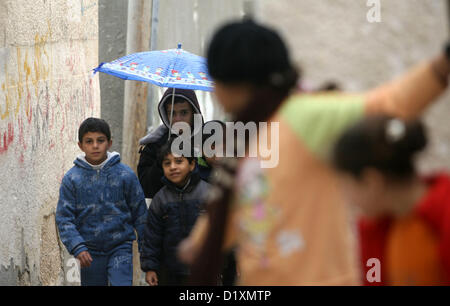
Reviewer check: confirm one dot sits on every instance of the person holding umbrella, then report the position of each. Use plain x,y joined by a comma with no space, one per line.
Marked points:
185,105
289,223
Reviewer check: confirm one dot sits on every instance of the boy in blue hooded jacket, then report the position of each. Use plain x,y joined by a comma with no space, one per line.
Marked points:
100,205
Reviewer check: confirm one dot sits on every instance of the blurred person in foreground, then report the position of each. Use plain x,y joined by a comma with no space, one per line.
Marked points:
404,231
289,223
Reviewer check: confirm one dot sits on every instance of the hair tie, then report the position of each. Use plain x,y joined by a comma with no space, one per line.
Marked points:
395,130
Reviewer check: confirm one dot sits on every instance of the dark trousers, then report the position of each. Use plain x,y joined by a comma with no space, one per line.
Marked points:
167,278
113,268
229,270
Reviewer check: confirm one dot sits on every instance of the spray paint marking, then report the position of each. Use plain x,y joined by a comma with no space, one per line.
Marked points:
8,138
37,108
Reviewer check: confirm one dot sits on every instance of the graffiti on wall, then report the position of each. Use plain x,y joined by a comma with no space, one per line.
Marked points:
43,97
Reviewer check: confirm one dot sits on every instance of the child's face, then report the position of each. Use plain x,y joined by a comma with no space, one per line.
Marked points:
233,98
96,146
365,193
176,169
182,112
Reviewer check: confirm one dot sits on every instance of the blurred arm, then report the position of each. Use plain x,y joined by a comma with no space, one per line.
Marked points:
190,247
410,94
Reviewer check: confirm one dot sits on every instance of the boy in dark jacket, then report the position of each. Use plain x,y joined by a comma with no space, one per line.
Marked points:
100,205
184,108
171,216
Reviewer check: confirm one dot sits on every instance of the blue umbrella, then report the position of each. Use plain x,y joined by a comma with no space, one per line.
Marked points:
174,68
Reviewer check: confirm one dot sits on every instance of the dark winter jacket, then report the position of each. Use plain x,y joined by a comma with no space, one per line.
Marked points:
204,169
149,172
171,216
99,209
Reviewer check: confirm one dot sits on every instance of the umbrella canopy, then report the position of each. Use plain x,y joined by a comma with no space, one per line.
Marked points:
173,68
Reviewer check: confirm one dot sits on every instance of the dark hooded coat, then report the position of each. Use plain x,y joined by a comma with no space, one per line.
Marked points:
149,172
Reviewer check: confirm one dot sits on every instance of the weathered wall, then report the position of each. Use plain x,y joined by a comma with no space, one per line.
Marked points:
47,49
112,27
332,40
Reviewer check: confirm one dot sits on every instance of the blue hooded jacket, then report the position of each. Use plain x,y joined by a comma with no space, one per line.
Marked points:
99,209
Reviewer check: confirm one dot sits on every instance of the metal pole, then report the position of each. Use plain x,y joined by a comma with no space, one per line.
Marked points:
153,45
154,25
135,93
135,97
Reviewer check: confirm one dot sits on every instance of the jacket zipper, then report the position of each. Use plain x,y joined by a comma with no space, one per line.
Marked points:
184,213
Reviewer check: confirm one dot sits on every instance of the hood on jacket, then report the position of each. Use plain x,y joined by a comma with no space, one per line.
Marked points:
186,94
111,159
154,135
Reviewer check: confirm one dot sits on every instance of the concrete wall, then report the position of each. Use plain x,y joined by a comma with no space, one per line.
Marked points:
112,27
332,40
47,49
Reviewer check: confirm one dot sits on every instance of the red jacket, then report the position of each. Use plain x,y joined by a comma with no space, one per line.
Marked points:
414,250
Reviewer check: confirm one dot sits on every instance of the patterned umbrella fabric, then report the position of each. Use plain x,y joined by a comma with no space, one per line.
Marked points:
173,68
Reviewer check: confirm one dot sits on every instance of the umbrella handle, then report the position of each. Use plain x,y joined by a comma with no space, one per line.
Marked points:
171,112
